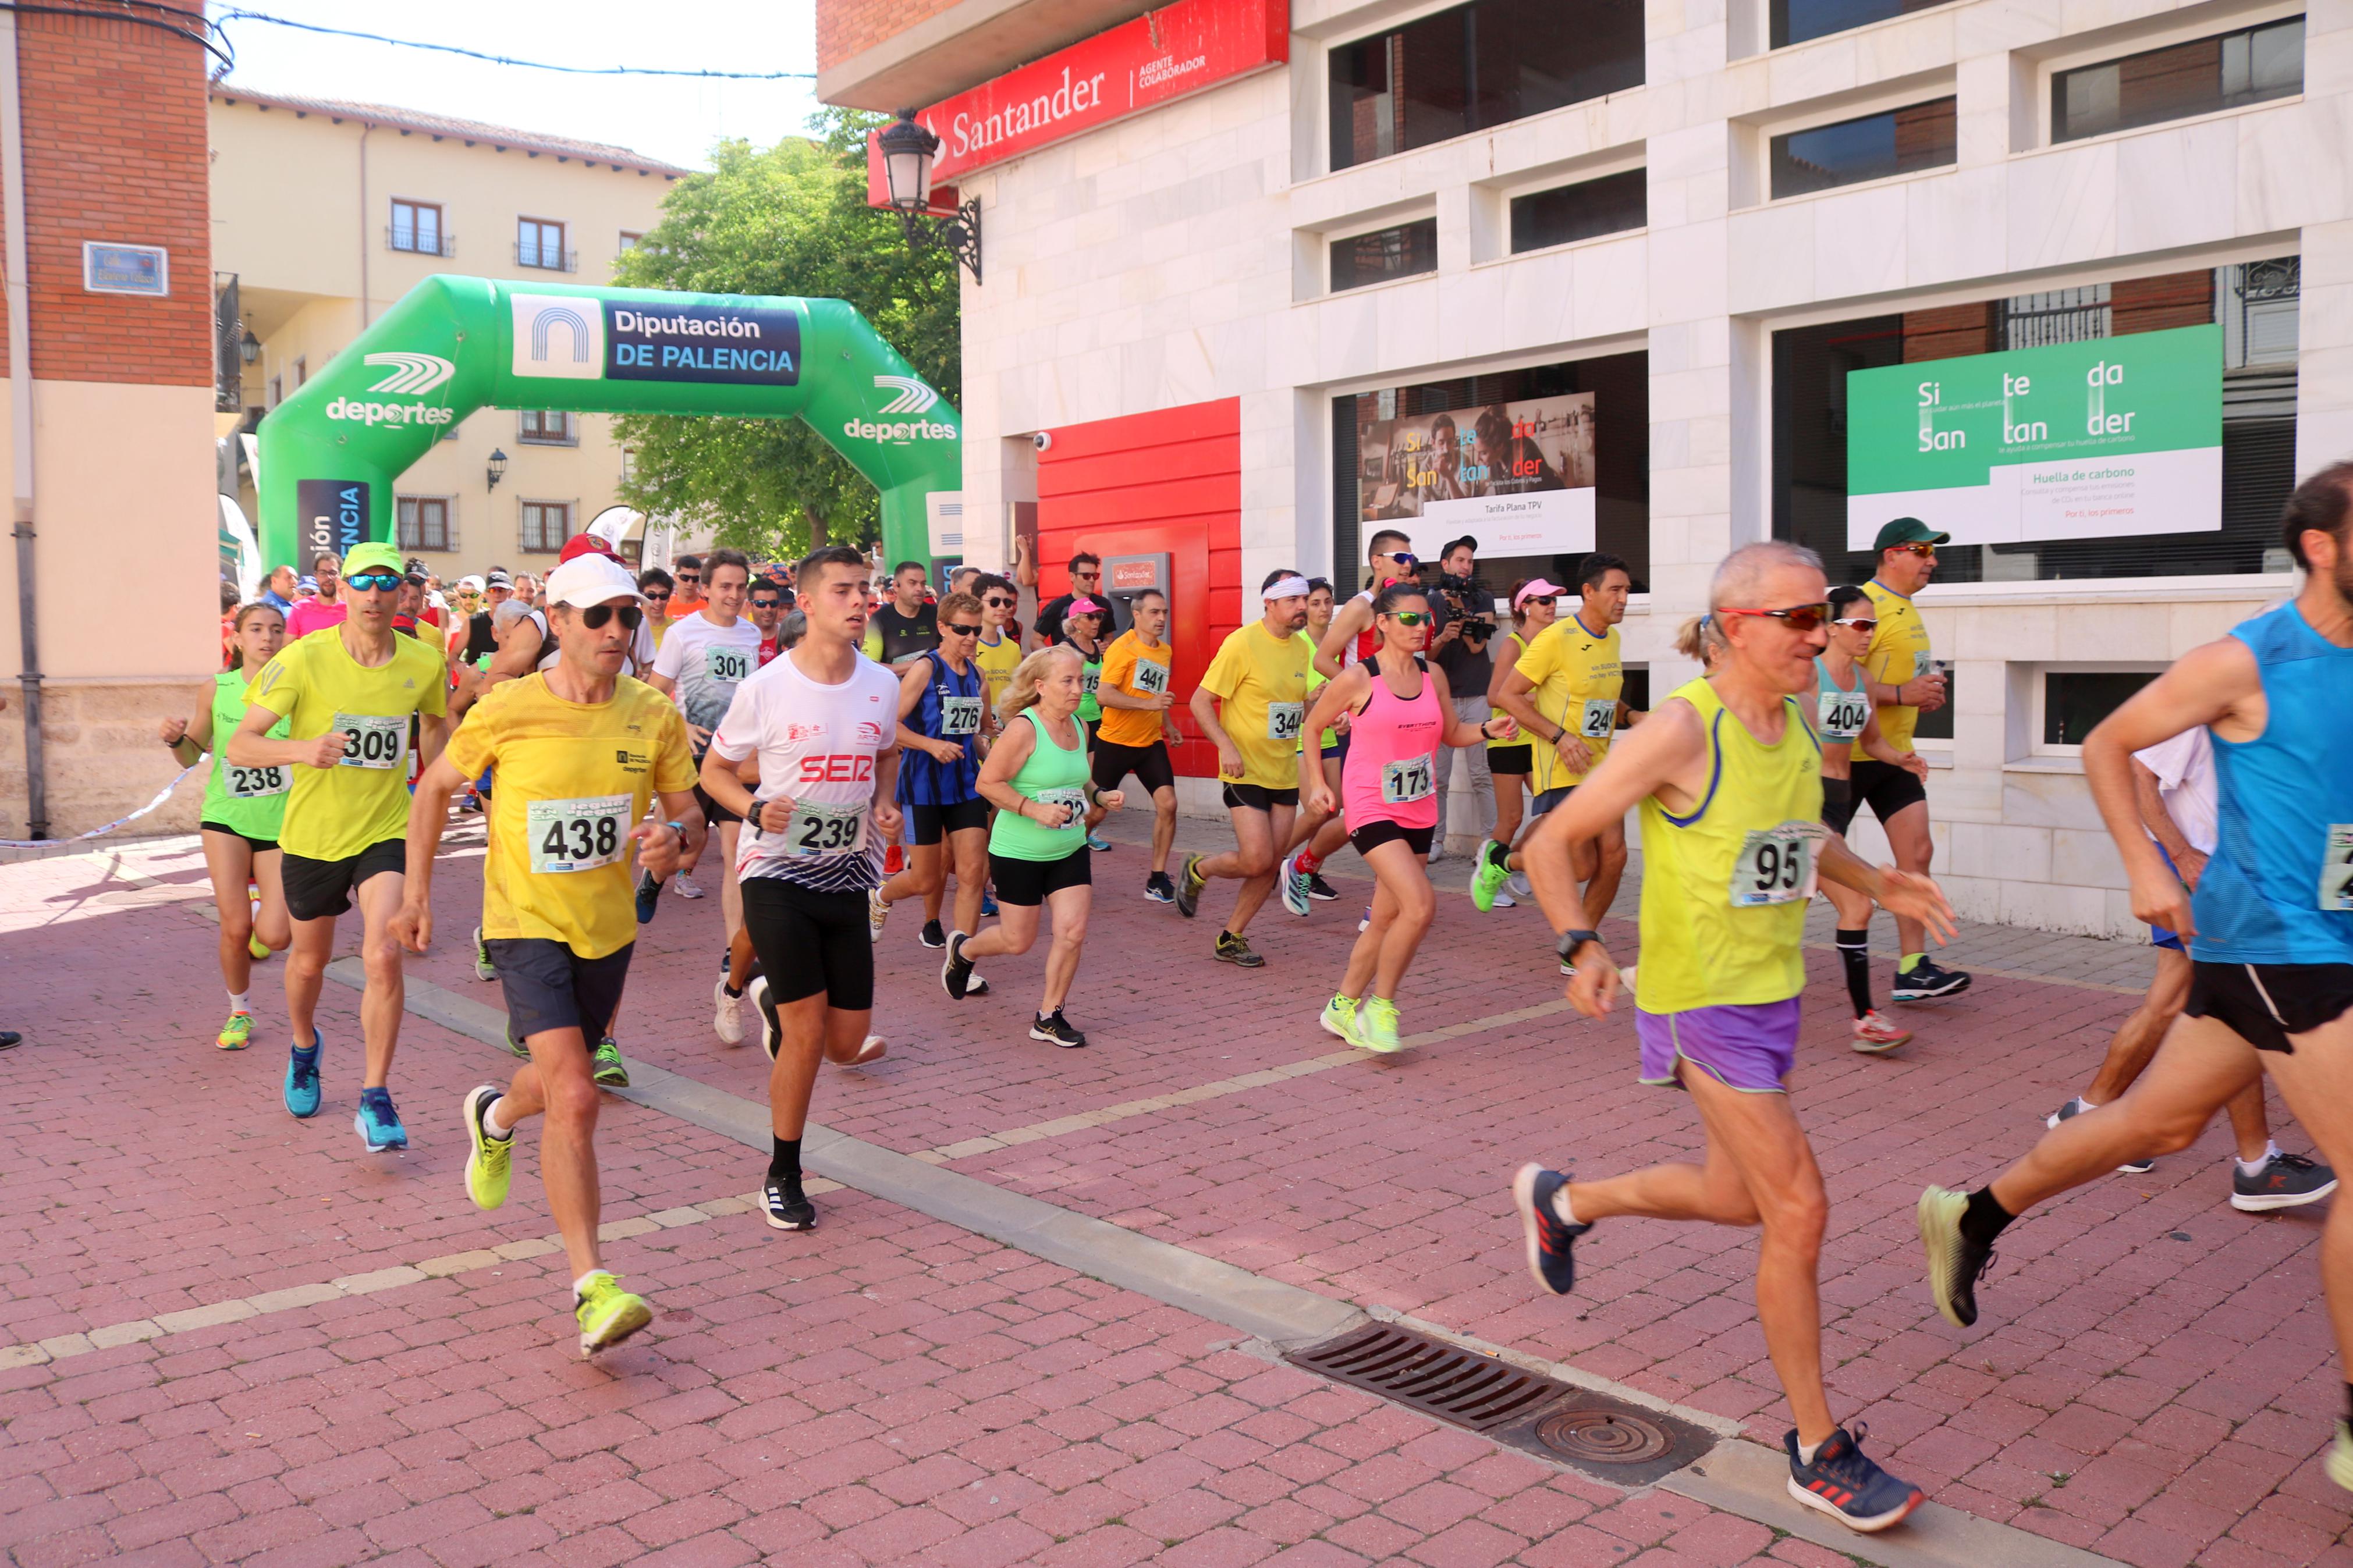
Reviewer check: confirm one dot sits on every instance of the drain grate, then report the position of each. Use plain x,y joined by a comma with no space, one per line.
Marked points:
1605,1436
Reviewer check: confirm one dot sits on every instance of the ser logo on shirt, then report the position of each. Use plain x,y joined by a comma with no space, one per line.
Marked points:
838,767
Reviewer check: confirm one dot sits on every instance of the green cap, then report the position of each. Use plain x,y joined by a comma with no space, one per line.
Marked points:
1903,531
374,557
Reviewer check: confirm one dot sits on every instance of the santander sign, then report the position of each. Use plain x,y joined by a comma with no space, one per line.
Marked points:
1160,57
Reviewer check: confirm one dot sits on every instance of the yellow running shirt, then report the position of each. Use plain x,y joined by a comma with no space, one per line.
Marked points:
1261,679
1574,679
1898,653
998,664
1316,682
332,814
1133,671
574,778
1724,889
1512,647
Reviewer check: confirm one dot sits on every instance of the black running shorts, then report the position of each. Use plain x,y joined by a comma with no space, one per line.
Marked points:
1838,805
1028,882
713,812
1149,763
321,889
1374,834
1520,759
1258,797
931,824
2264,1003
259,845
811,944
1883,786
549,986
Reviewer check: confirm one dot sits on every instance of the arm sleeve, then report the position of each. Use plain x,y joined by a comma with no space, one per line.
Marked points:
674,769
435,696
472,748
738,735
1225,671
1119,667
279,686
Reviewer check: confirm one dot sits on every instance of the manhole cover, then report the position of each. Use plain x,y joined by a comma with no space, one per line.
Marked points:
1601,1436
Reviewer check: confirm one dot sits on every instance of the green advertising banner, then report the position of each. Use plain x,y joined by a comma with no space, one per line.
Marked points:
328,455
2107,438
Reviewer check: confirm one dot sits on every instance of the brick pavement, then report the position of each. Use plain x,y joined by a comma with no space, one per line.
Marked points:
2156,1386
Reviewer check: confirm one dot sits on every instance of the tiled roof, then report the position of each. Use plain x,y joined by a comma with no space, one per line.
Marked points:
469,131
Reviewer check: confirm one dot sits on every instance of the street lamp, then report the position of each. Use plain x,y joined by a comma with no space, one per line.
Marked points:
498,467
907,153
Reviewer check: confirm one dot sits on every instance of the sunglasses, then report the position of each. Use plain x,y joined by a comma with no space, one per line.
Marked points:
1800,617
689,577
376,582
595,616
1857,623
956,631
658,596
1404,559
765,603
998,603
1929,551
1409,617
1547,600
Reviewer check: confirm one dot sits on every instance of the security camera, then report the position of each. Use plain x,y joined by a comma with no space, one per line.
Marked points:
1043,440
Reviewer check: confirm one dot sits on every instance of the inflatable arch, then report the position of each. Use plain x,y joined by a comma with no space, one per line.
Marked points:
329,455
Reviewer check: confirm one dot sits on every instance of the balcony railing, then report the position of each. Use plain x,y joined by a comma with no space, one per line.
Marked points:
548,257
425,243
228,346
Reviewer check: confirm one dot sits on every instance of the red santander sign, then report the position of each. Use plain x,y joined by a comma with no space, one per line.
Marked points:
1160,57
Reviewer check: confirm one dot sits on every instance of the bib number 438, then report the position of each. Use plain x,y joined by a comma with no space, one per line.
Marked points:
1776,864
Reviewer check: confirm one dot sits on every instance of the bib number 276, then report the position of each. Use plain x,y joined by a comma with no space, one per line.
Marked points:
1776,864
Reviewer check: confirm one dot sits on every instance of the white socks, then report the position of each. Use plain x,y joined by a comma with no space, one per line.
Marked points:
1561,1208
240,1001
2270,1152
580,1286
490,1120
1805,1451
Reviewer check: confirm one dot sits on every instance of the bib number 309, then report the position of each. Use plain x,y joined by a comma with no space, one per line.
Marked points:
569,836
2337,868
373,740
1776,864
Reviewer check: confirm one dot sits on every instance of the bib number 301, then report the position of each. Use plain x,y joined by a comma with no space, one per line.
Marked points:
569,836
373,740
1776,864
2337,868
727,666
821,829
1408,779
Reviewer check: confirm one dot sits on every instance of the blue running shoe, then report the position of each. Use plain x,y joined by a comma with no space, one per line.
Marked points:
1550,1241
303,1078
1847,1485
649,897
988,900
377,1123
1098,843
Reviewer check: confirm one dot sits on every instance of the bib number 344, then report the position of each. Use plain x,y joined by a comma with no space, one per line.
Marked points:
1776,864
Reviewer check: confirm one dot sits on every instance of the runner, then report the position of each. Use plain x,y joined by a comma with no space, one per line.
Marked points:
1511,762
347,695
819,719
1137,727
655,587
1845,719
943,711
582,750
243,811
2270,925
999,652
767,607
907,627
327,603
1396,740
1258,679
1299,878
706,656
1037,777
1083,629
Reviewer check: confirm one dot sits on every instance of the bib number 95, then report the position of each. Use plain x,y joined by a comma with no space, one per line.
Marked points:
1776,864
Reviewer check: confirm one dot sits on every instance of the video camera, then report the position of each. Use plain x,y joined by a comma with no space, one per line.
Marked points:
1466,604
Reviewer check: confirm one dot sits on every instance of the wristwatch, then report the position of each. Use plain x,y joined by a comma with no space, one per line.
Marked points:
1570,940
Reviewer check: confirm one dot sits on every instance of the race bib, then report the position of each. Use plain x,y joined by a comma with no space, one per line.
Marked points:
1090,678
1845,713
578,835
1776,864
255,784
1409,779
1075,799
2337,868
1151,680
1600,718
373,741
959,716
727,666
818,828
1285,720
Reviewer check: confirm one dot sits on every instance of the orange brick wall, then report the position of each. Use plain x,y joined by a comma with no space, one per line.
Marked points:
848,27
114,150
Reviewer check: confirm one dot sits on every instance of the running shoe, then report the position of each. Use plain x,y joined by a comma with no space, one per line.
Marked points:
515,1048
772,1034
1098,843
932,936
612,1072
2341,1457
2076,1108
1056,1030
1874,1034
1376,1026
1488,877
1845,1483
303,1078
685,886
1339,1017
956,974
894,860
1189,883
1955,1263
1552,1241
1232,949
1159,889
877,914
726,1013
649,896
1505,901
1439,852
256,947
988,899
377,1123
490,1166
2284,1182
1319,889
786,1206
1365,920
237,1033
1924,982
1293,883
483,968
1520,886
606,1314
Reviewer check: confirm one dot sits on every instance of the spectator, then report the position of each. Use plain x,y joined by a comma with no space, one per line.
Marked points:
655,586
324,609
280,589
1086,582
1467,620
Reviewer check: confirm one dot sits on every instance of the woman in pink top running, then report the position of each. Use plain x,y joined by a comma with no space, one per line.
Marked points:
1401,721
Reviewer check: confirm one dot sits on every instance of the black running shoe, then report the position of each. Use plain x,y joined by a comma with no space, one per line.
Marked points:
1189,888
1924,982
1318,888
932,936
1955,1263
772,1034
786,1206
955,974
1232,949
1056,1030
649,896
1159,888
1845,1483
2284,1182
1550,1241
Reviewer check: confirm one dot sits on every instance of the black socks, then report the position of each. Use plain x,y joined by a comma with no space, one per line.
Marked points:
1854,953
1984,1218
785,1162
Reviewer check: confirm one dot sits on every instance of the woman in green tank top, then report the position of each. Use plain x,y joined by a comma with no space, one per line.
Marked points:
242,811
1037,777
1082,628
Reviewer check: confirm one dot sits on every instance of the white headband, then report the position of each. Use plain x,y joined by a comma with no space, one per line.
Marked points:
1285,588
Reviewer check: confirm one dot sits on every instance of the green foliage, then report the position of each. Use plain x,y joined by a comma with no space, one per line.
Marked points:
787,220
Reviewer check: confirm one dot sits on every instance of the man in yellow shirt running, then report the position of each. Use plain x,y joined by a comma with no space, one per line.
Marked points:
1727,775
581,750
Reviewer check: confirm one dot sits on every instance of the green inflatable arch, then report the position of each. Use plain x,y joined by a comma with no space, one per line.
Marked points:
330,453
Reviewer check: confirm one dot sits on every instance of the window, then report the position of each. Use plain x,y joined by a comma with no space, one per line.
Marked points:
1795,21
1397,252
629,241
1606,205
547,524
301,369
423,522
548,427
2075,700
1477,66
540,243
2228,71
417,226
1893,142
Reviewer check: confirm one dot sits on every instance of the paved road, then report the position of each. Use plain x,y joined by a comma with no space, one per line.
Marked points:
236,1338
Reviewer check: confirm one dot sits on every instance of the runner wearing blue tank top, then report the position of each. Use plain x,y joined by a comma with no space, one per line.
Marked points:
2270,927
944,712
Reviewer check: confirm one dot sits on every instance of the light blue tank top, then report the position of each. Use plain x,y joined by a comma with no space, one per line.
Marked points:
2279,889
1841,713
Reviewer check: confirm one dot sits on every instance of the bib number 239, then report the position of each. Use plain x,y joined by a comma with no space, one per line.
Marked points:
1776,864
2337,868
372,739
821,829
569,836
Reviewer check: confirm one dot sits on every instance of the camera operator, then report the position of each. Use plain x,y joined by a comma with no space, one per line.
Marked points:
1466,611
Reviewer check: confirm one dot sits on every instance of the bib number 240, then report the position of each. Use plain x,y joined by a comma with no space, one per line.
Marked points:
1776,864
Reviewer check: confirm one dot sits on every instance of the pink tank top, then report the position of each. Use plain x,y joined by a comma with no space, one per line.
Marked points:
1394,746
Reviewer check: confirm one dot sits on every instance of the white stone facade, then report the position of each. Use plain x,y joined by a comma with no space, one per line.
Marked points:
1178,257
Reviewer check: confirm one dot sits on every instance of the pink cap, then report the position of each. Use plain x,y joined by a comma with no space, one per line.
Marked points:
1537,589
1083,607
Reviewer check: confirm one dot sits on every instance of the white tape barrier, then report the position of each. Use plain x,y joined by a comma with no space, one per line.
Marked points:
161,796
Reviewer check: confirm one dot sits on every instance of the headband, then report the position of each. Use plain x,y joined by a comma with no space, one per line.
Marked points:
1292,587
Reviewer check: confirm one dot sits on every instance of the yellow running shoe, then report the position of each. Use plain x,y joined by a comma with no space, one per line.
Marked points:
607,1314
237,1033
255,946
488,1166
2341,1457
1376,1025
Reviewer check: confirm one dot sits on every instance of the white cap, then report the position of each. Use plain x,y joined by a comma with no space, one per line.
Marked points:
590,579
464,583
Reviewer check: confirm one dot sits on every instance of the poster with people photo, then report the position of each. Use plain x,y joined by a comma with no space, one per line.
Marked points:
1416,466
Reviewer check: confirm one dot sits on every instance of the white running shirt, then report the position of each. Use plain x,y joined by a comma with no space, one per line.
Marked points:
818,745
2184,767
706,662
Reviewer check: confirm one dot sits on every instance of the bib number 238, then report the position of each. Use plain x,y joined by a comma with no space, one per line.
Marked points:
256,783
2337,868
372,739
569,836
1776,864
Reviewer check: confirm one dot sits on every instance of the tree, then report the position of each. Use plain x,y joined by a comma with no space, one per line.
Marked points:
787,220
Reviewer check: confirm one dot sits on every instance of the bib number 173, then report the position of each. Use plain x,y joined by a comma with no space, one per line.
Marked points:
1776,864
